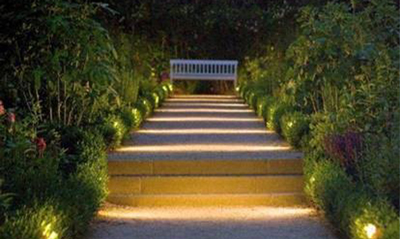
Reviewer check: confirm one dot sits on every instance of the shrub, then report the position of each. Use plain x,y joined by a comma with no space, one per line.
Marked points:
323,182
294,126
42,220
88,185
131,117
145,108
261,106
378,168
113,130
5,203
372,219
275,113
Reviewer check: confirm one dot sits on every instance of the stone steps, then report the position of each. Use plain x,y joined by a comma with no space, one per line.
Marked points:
205,151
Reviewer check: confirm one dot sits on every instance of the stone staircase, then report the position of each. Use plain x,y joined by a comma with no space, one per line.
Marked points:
205,151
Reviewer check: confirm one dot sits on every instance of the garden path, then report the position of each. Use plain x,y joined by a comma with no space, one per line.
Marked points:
205,167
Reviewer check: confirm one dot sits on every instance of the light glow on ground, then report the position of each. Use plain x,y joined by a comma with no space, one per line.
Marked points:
203,100
203,131
203,119
212,213
205,110
206,96
206,104
202,148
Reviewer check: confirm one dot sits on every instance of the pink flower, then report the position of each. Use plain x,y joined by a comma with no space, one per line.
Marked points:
41,145
11,117
2,109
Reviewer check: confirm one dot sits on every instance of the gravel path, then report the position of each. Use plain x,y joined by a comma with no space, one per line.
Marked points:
115,222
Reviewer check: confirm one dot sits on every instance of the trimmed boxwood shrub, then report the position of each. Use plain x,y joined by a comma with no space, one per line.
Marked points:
145,107
113,130
131,117
275,113
347,204
42,220
294,126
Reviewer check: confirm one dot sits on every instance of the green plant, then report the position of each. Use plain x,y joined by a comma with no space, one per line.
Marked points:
275,113
295,125
42,220
113,130
145,108
65,74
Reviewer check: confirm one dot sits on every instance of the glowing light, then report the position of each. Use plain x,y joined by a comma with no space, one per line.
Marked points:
206,104
203,119
135,111
202,148
116,124
312,179
48,233
204,99
53,235
290,124
207,96
205,110
216,213
370,230
204,131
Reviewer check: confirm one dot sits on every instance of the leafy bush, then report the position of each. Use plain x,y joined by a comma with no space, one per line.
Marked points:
275,113
5,203
42,220
68,68
113,130
131,117
145,108
295,126
88,185
378,168
346,204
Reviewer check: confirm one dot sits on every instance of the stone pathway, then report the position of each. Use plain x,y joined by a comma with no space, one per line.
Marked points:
215,157
115,222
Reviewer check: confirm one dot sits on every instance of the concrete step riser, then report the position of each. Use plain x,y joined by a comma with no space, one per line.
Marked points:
205,184
206,167
277,200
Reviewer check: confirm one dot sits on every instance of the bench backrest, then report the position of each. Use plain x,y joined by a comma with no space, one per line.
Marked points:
203,70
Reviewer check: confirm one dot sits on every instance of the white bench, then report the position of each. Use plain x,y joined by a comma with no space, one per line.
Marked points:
203,70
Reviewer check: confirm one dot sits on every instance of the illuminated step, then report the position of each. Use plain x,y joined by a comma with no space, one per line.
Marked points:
205,167
205,184
194,200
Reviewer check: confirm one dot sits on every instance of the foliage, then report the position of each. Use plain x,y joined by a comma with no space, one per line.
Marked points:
113,130
378,168
145,107
295,126
42,220
275,113
131,117
65,73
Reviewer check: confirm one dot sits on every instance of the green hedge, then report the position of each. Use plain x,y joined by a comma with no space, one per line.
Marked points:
359,209
295,127
347,204
56,195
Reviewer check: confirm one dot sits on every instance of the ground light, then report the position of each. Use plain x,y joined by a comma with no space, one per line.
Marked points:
204,110
371,231
216,213
206,104
203,148
48,233
203,131
203,119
